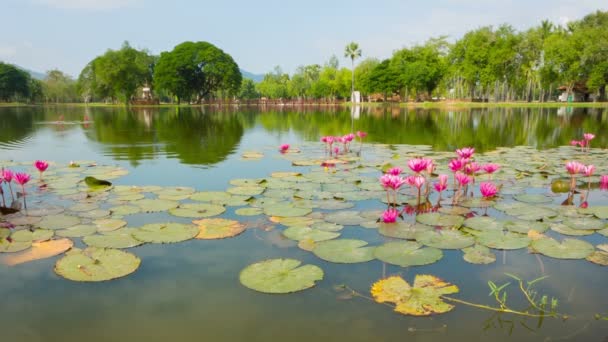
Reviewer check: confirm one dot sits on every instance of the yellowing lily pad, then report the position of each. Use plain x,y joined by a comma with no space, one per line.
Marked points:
39,250
280,276
96,264
249,211
423,299
599,257
218,228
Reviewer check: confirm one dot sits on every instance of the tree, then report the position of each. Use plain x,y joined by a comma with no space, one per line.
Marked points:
248,91
362,74
275,85
384,79
352,51
59,87
196,70
14,83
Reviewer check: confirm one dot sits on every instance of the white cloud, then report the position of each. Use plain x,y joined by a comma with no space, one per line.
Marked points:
88,4
7,51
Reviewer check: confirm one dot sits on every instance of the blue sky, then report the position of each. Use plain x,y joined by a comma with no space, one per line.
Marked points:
67,34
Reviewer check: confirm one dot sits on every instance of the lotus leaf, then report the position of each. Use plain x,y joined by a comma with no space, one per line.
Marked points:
346,218
423,299
585,223
280,276
599,257
248,182
478,254
531,213
77,231
344,251
175,191
108,225
437,219
165,232
122,238
567,249
403,230
307,245
58,221
218,228
299,233
96,264
483,223
503,240
39,250
407,253
253,155
197,210
155,205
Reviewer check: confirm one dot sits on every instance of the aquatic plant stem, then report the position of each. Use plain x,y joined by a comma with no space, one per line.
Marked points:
491,308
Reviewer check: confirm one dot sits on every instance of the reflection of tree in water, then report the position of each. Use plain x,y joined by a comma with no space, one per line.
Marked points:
188,134
17,124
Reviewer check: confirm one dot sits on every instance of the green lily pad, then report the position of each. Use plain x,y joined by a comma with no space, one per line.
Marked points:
533,198
108,225
567,249
503,240
27,235
246,190
294,221
124,210
344,251
478,254
403,230
307,233
96,264
454,210
7,246
445,239
165,232
476,203
407,253
523,227
285,210
96,213
600,212
423,299
211,196
84,207
585,223
155,205
483,223
345,218
327,226
25,220
599,257
280,276
195,210
77,231
437,219
567,230
46,211
249,211
531,213
58,221
122,238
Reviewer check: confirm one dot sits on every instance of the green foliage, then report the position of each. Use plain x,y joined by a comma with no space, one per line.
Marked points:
194,70
59,87
248,91
14,83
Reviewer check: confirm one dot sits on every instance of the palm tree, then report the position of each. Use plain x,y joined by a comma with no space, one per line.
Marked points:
352,51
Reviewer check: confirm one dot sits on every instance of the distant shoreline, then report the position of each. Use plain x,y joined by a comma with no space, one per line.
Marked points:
439,105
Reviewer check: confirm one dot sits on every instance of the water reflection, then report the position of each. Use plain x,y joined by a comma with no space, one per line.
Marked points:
207,135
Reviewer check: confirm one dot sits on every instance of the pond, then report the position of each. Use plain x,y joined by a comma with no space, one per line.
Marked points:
192,290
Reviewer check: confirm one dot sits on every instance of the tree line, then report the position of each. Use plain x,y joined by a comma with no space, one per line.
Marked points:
486,64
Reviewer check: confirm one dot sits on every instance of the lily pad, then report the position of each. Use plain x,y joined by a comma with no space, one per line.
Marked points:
567,249
32,236
280,276
344,251
533,198
80,230
423,299
108,225
285,210
197,210
407,253
307,233
96,264
211,196
122,238
483,223
124,210
59,221
25,220
246,190
437,219
503,240
165,232
249,211
567,230
39,250
155,205
403,230
600,212
345,218
218,228
523,227
95,183
599,257
445,239
585,223
84,207
478,254
327,226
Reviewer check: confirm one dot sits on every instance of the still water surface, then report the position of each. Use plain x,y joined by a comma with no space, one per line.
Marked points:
190,291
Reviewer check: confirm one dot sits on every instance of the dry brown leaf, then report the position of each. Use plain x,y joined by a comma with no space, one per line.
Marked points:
39,250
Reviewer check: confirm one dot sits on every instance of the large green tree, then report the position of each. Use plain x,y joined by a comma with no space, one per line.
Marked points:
59,87
14,83
194,70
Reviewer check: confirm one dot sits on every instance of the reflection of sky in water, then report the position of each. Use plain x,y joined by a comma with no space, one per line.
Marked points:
190,291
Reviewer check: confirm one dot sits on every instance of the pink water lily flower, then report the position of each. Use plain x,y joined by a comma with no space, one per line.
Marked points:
415,181
390,215
462,179
395,171
456,164
22,178
418,164
574,167
604,182
488,189
361,134
283,148
430,166
41,165
7,175
490,167
588,170
348,138
394,182
588,136
472,168
442,184
465,152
